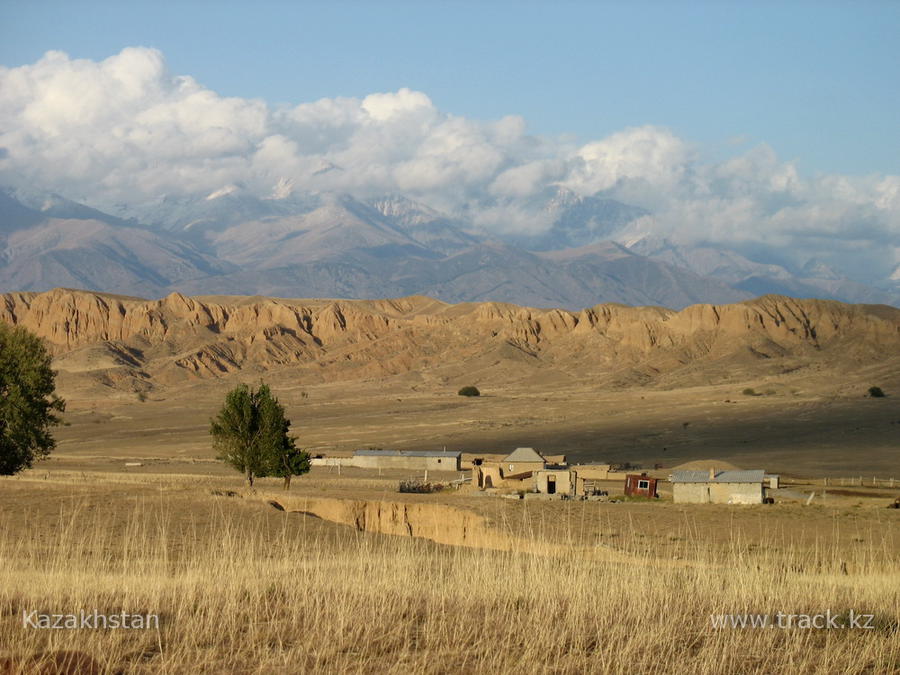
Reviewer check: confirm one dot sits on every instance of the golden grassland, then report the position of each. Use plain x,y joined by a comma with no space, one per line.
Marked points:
242,587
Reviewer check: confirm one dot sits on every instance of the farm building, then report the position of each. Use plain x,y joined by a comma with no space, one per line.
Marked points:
718,487
510,471
416,460
522,462
593,471
640,485
555,481
487,475
588,477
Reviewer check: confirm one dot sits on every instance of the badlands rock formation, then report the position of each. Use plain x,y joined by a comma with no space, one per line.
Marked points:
134,344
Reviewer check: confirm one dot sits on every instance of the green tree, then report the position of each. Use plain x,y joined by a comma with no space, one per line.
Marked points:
235,432
283,458
876,392
469,391
251,433
27,400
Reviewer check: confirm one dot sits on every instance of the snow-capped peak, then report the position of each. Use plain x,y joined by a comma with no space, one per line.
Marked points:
404,209
283,189
222,192
818,269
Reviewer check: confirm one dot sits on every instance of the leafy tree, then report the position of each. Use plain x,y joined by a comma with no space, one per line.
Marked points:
235,432
469,391
283,458
251,434
27,400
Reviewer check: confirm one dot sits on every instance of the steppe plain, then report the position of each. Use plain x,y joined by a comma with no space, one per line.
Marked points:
354,577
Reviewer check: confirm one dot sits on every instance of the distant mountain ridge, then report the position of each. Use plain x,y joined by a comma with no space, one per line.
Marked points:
106,342
335,245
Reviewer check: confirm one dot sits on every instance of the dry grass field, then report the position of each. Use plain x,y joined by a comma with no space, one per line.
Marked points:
551,587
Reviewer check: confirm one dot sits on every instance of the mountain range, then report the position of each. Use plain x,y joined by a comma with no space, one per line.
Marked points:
106,343
595,250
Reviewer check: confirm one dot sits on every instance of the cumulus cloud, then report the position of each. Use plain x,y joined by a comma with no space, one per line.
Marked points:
127,130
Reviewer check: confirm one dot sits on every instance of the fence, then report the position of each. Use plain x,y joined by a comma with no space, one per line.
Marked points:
860,481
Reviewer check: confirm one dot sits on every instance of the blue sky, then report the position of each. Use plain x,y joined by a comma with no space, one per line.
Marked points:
819,82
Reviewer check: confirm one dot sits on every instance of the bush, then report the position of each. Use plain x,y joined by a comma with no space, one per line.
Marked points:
876,392
469,391
749,392
420,487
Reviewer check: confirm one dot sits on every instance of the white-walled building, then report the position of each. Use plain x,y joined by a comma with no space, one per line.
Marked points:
718,487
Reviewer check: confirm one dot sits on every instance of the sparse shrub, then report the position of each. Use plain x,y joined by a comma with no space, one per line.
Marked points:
420,487
876,392
142,396
469,391
770,392
749,391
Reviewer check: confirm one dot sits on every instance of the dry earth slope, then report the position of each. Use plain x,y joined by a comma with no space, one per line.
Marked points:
130,344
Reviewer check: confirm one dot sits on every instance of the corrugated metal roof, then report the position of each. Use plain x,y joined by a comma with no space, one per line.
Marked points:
524,455
749,476
406,453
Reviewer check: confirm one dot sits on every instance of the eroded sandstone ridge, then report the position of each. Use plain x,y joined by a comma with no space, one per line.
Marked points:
127,341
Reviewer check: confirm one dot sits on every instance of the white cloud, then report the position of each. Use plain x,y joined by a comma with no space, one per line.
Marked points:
645,153
403,104
125,129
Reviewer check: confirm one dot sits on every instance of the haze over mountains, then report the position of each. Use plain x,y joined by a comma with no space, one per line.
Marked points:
334,245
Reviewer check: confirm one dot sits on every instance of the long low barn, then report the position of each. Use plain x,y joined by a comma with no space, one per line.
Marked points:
417,460
718,487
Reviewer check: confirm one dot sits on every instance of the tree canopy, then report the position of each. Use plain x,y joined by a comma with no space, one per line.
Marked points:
27,400
252,434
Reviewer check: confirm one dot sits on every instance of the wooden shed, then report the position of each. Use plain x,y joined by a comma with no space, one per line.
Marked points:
640,485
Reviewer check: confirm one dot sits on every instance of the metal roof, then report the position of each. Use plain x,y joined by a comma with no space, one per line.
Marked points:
407,453
750,476
524,455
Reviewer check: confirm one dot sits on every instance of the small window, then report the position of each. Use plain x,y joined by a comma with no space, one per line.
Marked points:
643,485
